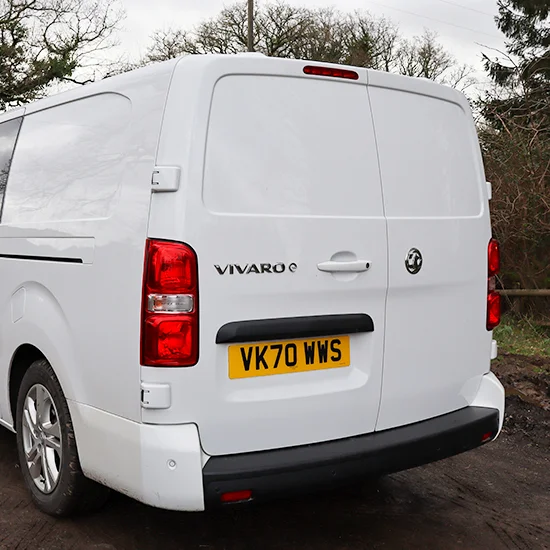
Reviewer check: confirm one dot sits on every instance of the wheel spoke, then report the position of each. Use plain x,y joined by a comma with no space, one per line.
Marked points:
53,474
46,471
35,466
32,453
53,443
42,401
27,419
52,429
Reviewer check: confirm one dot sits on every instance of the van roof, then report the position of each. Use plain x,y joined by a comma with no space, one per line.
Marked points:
116,83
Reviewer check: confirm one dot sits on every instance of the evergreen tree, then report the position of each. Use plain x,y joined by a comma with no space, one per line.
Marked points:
515,137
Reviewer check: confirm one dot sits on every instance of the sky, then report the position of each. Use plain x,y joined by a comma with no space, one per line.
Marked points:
463,26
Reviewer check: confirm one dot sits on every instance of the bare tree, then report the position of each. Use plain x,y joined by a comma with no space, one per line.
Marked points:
284,30
517,162
47,41
167,44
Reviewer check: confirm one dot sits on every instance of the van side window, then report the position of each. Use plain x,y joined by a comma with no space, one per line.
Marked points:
8,136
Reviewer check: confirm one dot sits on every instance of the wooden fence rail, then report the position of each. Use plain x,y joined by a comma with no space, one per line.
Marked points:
525,292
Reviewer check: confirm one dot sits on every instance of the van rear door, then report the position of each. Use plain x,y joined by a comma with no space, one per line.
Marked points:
437,346
283,206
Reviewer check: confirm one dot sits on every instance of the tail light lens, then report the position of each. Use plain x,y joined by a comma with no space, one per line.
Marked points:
494,258
493,298
170,325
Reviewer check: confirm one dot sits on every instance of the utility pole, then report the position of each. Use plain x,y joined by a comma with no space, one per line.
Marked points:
250,25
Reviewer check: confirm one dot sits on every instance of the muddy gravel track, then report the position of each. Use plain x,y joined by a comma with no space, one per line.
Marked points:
497,496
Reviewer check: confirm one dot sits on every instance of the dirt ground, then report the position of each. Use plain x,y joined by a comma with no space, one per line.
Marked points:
526,377
497,496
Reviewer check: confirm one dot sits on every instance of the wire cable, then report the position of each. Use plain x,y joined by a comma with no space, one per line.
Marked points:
436,20
466,7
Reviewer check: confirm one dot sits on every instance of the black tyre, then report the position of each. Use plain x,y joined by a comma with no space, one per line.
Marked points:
47,447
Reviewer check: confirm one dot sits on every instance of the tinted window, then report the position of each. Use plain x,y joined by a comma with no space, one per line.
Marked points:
8,136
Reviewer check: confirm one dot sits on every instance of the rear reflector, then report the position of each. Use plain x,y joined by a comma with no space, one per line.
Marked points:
486,437
315,70
236,496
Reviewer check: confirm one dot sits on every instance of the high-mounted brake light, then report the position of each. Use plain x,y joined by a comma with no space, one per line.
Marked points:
493,298
316,70
169,331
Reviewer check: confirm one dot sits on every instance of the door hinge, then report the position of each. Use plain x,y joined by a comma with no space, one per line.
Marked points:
165,179
155,396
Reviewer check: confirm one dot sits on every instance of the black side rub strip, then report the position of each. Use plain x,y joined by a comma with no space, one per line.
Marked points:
294,327
59,259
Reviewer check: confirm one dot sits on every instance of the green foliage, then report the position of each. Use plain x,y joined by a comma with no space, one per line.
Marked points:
522,337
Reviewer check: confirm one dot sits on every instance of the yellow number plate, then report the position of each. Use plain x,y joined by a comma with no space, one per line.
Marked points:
266,358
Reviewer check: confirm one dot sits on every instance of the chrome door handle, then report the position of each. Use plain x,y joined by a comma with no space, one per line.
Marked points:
357,266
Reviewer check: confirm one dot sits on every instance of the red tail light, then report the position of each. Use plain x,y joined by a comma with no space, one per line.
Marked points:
170,324
493,310
315,70
494,257
493,298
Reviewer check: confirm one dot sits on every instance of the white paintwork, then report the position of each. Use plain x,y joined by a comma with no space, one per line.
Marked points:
157,465
436,347
267,151
166,179
10,115
75,248
7,425
156,396
85,318
252,162
490,394
80,150
259,203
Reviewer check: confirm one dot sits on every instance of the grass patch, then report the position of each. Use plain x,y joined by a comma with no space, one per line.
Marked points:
523,337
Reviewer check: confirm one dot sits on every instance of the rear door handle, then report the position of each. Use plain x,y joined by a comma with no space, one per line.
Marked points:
357,266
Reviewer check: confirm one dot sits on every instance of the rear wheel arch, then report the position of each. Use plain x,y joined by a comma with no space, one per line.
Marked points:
25,355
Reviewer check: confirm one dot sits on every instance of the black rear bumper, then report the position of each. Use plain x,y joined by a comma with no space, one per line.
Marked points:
309,468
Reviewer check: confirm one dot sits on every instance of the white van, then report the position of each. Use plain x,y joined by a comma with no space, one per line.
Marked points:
231,278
